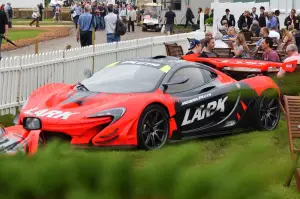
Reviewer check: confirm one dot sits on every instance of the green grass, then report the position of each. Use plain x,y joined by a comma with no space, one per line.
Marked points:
247,165
44,22
23,34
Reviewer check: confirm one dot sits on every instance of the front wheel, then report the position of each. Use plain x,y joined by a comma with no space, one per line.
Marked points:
267,113
153,128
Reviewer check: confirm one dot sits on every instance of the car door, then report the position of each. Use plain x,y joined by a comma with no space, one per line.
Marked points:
203,102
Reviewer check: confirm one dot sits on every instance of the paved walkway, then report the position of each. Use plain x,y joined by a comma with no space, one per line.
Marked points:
61,43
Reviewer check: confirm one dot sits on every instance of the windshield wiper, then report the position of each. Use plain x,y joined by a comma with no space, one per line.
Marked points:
80,85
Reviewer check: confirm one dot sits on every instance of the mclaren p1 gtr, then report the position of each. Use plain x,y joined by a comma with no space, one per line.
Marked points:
143,103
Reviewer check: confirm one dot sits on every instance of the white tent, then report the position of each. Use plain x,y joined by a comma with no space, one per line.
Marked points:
22,3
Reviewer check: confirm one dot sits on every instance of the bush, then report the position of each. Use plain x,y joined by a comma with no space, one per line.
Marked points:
60,172
209,21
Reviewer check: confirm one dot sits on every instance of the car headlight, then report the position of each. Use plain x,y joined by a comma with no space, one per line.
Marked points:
116,113
32,123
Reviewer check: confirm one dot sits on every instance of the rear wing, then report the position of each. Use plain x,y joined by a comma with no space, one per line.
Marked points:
264,66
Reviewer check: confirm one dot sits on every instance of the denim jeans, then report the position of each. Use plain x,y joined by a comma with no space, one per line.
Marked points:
113,38
102,23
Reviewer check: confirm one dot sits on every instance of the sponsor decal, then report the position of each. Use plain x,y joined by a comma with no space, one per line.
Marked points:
113,64
49,113
205,111
196,99
166,68
140,63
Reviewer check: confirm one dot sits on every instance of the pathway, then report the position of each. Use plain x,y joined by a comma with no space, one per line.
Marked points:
61,43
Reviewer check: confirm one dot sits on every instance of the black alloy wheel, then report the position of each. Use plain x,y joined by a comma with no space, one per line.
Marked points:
153,128
268,113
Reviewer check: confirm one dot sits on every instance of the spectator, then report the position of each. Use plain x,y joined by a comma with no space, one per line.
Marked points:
274,34
131,18
211,13
170,19
231,34
86,23
123,14
3,27
57,13
110,25
272,23
78,10
102,12
255,29
287,37
245,18
225,25
269,53
292,20
116,10
241,48
206,14
253,14
198,17
189,16
262,17
264,32
36,16
229,18
277,13
296,34
292,52
209,45
195,47
218,41
41,8
9,13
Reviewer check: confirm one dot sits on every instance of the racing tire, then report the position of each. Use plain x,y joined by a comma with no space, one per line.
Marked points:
153,128
144,28
157,29
267,112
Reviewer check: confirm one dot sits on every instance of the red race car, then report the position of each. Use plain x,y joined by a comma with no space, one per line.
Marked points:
143,103
243,68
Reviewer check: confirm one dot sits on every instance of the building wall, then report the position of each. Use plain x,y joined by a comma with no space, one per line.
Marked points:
22,3
195,4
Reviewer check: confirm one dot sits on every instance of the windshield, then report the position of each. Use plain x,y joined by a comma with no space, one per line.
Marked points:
124,79
151,11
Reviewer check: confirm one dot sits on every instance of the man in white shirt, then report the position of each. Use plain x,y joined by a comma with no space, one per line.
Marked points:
219,43
274,33
131,18
292,51
110,25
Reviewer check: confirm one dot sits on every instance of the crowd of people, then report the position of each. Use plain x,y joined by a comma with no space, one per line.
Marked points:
265,27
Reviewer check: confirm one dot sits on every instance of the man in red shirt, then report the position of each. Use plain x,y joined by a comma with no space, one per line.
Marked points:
269,53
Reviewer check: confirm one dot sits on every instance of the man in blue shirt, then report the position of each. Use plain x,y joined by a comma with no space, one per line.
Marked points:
86,23
272,23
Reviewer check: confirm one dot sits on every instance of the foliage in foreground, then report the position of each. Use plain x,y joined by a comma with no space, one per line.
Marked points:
253,165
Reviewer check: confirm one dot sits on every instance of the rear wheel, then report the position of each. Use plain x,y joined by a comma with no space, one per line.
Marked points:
267,112
153,128
157,28
144,28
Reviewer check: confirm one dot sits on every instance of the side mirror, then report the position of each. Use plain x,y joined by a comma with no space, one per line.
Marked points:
87,73
166,85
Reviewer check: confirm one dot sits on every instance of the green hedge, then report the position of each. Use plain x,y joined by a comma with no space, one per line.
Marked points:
59,172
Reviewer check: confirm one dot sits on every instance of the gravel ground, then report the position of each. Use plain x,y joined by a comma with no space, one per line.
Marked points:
60,44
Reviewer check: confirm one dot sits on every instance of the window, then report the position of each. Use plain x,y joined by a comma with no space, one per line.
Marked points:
195,76
176,4
124,79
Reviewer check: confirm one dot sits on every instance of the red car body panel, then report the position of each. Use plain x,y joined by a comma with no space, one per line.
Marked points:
84,130
247,63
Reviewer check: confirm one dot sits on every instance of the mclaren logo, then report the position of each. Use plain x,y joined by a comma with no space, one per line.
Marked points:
49,113
204,111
